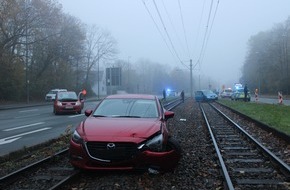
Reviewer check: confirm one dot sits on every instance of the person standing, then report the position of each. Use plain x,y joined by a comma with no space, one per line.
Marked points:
182,95
256,95
280,97
246,92
164,94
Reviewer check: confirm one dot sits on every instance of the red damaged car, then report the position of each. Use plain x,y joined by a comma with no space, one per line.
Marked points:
125,132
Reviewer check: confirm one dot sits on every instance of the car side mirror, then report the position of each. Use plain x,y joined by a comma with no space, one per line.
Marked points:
168,114
88,112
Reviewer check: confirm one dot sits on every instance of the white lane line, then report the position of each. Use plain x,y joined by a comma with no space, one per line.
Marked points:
23,111
24,126
22,134
21,117
72,116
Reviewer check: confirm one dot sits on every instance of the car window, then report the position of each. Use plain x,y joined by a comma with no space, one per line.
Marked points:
67,96
228,90
127,107
198,93
207,92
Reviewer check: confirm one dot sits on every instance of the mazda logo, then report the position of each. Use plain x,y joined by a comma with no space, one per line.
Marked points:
111,146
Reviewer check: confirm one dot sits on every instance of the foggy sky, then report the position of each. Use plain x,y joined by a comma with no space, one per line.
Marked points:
137,36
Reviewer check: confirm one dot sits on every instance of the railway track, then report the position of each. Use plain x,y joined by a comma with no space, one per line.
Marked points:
52,172
49,173
245,162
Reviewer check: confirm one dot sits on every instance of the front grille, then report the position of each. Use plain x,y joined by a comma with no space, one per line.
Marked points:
121,151
71,103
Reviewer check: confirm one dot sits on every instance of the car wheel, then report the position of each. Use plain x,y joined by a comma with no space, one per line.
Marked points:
79,112
172,144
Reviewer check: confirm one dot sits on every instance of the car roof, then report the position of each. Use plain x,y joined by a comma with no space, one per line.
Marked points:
135,96
67,92
58,90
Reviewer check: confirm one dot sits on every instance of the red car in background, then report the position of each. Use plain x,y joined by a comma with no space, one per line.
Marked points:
125,132
67,102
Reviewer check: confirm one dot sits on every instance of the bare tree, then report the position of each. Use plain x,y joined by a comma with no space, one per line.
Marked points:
99,46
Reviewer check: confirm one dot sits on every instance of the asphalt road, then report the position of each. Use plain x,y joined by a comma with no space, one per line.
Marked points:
28,126
272,101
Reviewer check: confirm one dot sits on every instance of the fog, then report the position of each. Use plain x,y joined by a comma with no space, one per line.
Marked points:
174,32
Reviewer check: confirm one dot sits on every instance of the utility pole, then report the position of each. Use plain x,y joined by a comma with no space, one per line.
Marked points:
190,77
26,54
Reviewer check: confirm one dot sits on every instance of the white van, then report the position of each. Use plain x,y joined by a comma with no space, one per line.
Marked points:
50,96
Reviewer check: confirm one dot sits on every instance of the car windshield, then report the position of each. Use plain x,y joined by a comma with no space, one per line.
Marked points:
228,90
240,90
198,93
207,92
127,108
67,96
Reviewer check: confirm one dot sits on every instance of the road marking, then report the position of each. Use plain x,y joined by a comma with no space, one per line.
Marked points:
72,116
15,137
8,141
20,117
24,126
28,110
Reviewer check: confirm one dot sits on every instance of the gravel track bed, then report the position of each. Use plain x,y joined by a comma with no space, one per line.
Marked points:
42,177
277,145
27,156
197,169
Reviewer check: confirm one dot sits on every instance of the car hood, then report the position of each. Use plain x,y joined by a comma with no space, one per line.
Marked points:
119,129
211,95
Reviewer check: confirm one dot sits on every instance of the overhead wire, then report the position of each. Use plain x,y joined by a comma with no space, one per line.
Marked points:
148,11
212,23
166,32
172,25
207,33
168,41
182,21
205,36
198,30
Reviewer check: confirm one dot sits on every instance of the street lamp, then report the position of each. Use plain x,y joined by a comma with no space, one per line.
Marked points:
128,80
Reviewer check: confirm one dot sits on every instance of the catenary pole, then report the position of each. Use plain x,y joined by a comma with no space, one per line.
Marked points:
190,77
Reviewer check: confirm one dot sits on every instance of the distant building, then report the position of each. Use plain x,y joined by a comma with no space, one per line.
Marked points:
98,79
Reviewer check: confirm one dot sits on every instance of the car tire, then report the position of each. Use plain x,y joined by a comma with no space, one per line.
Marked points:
172,144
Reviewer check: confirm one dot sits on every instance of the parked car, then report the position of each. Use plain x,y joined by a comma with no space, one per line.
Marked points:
67,102
125,132
50,96
198,95
239,94
205,95
227,93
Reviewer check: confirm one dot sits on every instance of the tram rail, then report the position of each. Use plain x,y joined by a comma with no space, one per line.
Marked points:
245,162
48,173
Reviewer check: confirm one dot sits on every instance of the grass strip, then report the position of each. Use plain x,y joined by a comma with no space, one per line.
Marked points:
274,115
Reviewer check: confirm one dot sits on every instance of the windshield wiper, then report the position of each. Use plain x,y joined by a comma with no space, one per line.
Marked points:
128,116
99,116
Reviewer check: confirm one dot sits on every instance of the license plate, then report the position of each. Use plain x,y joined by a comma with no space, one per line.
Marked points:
68,107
